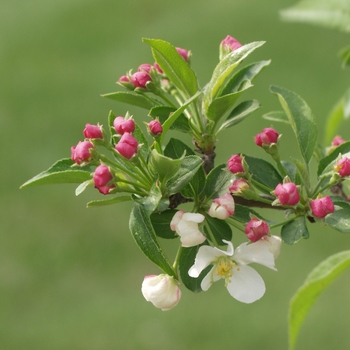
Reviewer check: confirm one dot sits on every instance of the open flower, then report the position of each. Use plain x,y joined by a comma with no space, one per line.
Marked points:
241,280
222,207
186,226
162,291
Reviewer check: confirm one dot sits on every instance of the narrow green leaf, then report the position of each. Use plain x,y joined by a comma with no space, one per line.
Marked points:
317,281
304,174
176,148
329,13
108,201
142,141
242,111
294,231
276,116
142,230
340,219
61,172
161,224
218,229
301,120
174,66
82,187
164,112
195,187
132,98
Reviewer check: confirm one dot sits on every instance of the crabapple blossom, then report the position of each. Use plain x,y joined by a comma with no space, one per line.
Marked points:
81,152
184,53
321,207
273,243
162,291
256,229
127,146
93,132
343,167
222,207
140,79
102,177
235,164
186,226
155,127
266,137
231,43
337,140
238,186
122,125
287,193
145,67
242,281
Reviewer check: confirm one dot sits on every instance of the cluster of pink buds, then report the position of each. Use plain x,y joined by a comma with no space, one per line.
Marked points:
127,145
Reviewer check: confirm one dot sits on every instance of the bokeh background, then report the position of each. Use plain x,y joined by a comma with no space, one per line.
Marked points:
70,277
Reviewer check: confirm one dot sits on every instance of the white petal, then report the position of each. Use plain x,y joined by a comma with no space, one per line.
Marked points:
209,279
195,217
257,252
205,256
274,243
246,284
193,239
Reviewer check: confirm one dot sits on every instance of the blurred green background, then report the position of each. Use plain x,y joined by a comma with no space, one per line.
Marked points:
70,277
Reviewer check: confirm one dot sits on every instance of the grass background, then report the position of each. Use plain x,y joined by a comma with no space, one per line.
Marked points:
70,277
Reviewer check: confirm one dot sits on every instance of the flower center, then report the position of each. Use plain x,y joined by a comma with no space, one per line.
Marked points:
224,268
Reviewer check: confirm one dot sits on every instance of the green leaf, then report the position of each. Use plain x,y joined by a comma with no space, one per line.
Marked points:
276,116
319,278
218,182
142,230
161,224
61,172
292,173
164,112
218,229
224,71
247,73
223,104
340,219
243,214
239,113
303,172
301,120
195,187
263,173
186,172
174,66
294,231
82,187
132,98
186,260
142,141
339,113
176,148
327,161
329,13
108,201
151,202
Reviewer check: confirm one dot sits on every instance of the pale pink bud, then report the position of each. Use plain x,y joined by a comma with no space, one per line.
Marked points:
238,186
186,226
287,193
256,229
145,67
155,127
184,53
102,177
140,79
337,140
81,152
320,207
162,291
266,137
235,164
122,125
343,167
222,207
127,146
231,43
93,132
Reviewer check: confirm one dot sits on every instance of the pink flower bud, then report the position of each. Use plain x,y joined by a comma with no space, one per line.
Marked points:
231,43
145,67
320,207
124,79
235,164
239,186
103,176
337,140
93,132
81,152
184,53
155,127
287,193
162,291
256,229
127,146
156,66
266,137
140,79
122,125
343,167
222,207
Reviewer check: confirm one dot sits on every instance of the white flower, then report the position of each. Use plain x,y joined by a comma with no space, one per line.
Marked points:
242,281
186,226
222,207
162,291
274,244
